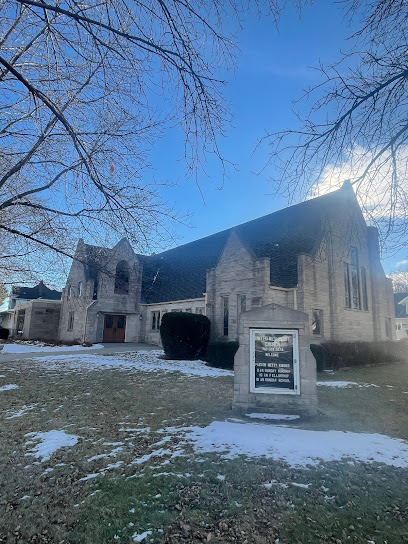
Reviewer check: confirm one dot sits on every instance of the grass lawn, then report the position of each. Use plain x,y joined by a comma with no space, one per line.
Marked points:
130,471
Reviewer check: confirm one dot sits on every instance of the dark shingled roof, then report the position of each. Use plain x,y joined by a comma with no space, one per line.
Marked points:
32,293
180,273
400,308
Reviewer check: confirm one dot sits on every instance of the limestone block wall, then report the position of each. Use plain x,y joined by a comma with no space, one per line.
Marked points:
237,274
90,294
41,320
152,336
321,283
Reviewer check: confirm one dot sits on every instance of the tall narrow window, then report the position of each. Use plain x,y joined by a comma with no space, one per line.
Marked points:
71,316
155,321
364,288
95,290
347,285
317,322
69,291
80,288
122,278
242,303
225,309
388,328
355,283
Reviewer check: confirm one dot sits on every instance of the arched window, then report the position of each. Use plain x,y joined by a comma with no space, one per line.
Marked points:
122,278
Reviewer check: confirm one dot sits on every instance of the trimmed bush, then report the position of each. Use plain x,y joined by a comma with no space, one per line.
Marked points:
343,354
4,333
319,355
221,354
184,335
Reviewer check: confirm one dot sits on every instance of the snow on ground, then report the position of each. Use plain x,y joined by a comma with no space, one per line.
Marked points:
146,361
346,384
297,447
139,538
24,409
50,442
29,348
277,417
8,387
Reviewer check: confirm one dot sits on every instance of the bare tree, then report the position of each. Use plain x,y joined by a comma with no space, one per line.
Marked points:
357,126
85,88
399,278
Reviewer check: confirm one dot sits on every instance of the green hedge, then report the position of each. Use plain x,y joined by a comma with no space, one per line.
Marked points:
342,354
184,335
221,354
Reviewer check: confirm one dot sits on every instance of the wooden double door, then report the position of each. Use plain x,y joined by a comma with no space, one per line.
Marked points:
114,328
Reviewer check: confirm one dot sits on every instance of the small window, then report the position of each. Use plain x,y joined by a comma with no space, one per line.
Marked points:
188,310
317,322
69,291
155,321
80,288
242,303
199,311
122,278
71,320
256,302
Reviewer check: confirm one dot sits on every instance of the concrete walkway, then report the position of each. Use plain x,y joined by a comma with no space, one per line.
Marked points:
108,349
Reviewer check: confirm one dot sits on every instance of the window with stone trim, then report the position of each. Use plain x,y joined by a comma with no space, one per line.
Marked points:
225,312
155,321
80,288
71,317
355,283
317,322
122,278
388,328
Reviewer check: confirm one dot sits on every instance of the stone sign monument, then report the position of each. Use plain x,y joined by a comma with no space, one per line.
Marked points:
275,370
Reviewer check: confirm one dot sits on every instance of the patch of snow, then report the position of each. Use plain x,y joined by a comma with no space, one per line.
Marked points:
285,417
146,361
8,387
141,537
221,477
297,447
268,485
50,442
135,429
91,476
346,384
29,348
24,409
102,455
303,486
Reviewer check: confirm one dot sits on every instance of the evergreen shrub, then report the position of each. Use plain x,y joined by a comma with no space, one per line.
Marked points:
221,354
344,354
319,355
184,335
4,333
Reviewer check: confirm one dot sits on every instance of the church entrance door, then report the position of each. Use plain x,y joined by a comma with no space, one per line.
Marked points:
114,328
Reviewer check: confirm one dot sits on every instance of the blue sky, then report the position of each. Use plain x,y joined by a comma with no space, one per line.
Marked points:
273,68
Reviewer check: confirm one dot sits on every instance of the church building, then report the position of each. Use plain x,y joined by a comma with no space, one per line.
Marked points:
319,257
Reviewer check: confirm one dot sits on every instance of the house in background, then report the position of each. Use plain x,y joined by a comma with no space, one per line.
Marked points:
33,312
401,315
319,257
